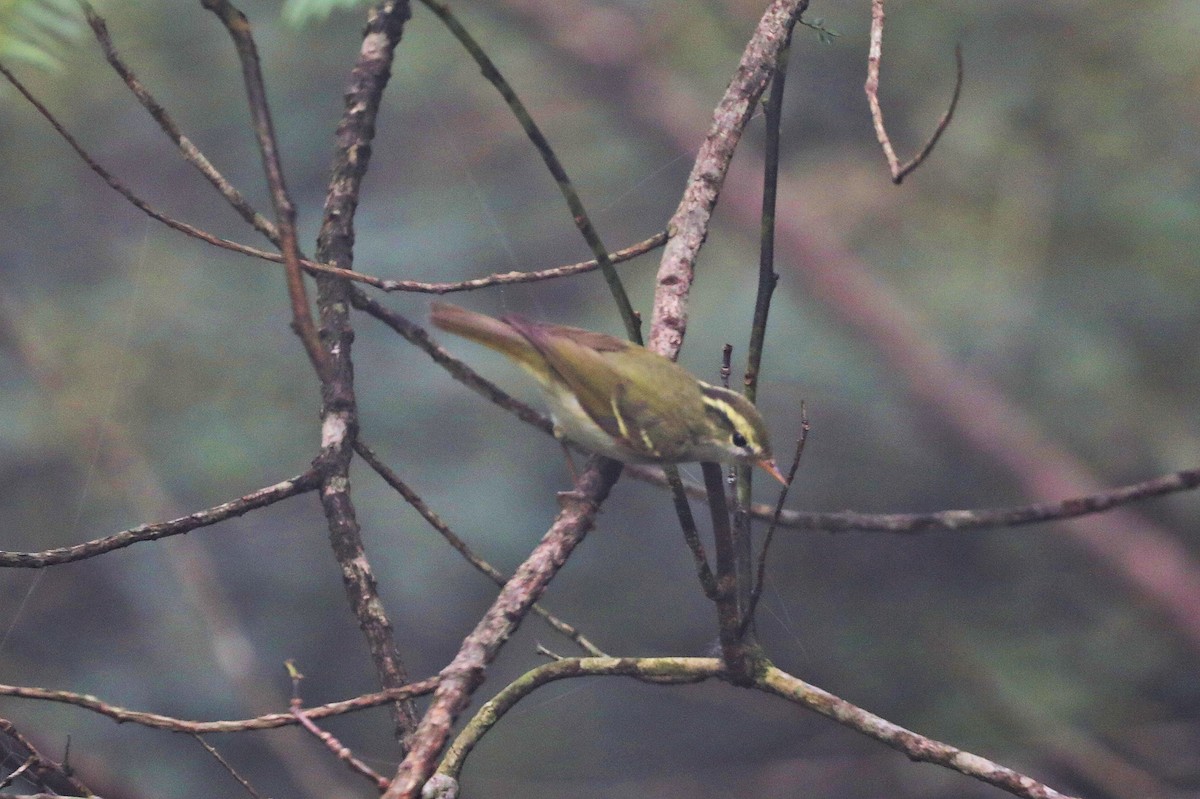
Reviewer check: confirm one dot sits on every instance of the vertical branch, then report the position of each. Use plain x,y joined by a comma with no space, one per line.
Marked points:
302,322
734,650
767,277
874,56
743,539
339,413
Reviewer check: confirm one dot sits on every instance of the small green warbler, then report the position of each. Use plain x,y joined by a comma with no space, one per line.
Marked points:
620,400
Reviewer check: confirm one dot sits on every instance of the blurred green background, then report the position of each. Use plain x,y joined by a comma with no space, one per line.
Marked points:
1016,323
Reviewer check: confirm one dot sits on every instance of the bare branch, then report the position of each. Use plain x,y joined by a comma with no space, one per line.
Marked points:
340,751
761,572
990,518
871,87
736,651
578,213
265,722
229,769
462,677
285,210
261,498
436,522
117,185
915,746
689,226
339,411
417,335
190,152
956,520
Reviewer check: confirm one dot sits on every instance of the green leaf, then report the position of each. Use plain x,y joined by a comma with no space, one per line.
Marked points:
301,12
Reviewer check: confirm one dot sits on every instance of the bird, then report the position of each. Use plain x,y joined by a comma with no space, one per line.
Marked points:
618,399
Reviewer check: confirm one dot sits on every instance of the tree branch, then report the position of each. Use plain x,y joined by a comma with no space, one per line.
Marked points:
871,87
464,674
265,722
261,498
689,226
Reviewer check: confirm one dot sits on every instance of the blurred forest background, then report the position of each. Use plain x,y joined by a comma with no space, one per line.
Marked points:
1017,322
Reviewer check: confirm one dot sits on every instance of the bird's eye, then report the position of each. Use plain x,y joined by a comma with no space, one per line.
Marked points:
739,440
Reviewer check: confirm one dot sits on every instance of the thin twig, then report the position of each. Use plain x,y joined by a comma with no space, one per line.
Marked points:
225,764
767,277
265,722
690,533
990,518
437,523
761,572
917,747
582,221
285,210
418,336
44,772
117,185
261,498
339,750
312,267
956,520
510,278
190,152
871,87
743,534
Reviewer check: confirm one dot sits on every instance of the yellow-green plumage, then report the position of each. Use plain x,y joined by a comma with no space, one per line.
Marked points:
619,399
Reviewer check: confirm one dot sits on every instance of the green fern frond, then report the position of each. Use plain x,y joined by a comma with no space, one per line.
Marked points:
36,31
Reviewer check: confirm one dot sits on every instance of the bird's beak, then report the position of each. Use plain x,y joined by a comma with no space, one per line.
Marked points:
768,465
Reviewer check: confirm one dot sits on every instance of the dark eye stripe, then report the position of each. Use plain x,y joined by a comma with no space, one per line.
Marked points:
717,409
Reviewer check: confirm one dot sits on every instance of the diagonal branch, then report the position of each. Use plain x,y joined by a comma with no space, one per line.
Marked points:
689,226
261,498
436,522
190,152
464,674
578,213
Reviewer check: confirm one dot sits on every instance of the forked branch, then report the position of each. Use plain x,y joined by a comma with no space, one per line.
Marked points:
874,56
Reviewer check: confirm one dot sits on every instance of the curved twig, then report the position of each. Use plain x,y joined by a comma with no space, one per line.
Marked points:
871,87
679,671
